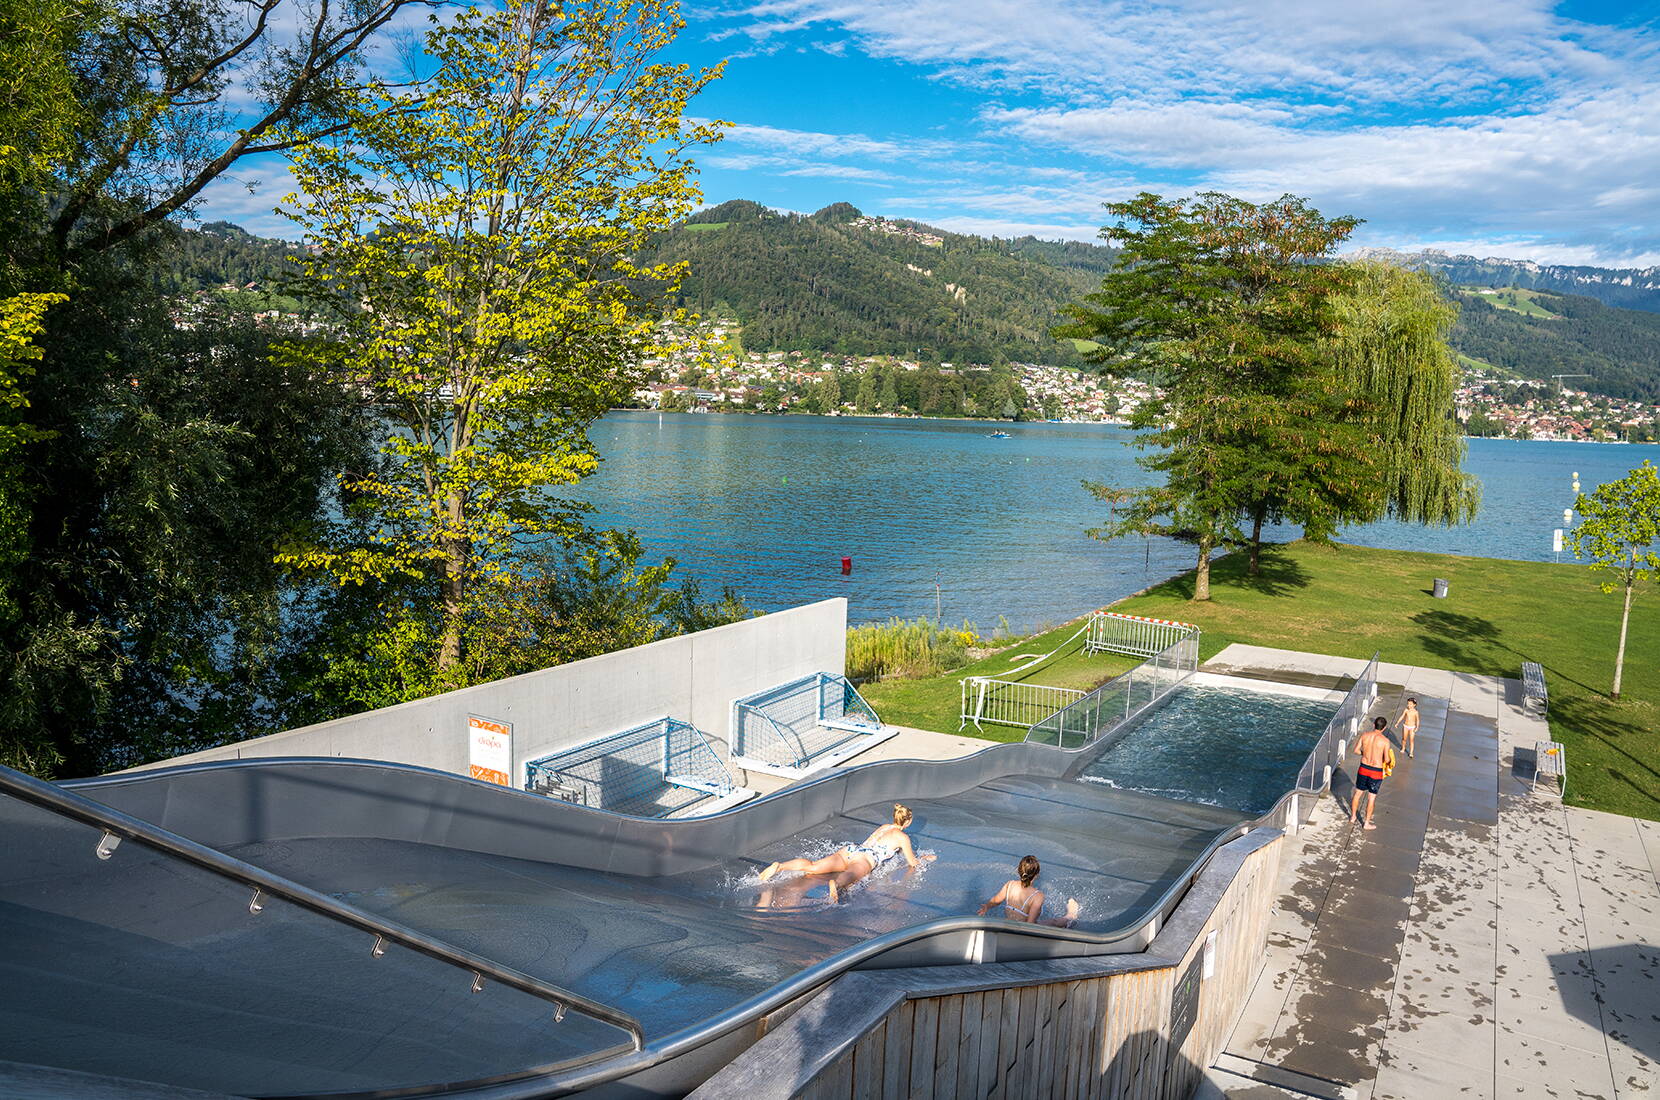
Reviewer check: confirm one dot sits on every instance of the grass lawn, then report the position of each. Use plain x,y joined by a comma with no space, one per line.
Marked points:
1353,600
935,703
1526,301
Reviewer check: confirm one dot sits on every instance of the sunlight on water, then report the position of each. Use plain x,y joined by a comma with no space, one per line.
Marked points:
1220,746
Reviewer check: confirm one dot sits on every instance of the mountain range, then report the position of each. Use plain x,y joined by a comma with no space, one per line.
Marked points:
845,282
1628,288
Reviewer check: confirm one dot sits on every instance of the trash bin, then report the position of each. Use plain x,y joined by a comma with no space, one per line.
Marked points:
1440,589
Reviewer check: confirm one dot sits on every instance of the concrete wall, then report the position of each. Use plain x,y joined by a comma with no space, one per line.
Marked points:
694,677
1096,1027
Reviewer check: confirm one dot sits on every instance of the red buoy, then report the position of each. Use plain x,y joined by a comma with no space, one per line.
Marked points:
847,566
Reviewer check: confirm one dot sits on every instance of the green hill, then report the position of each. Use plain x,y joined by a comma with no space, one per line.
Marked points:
1535,334
838,281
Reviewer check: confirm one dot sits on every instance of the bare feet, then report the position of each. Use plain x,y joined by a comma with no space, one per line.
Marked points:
1369,825
1352,820
1073,909
772,869
835,893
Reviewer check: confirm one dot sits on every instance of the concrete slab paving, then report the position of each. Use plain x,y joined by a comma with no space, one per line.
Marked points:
1484,941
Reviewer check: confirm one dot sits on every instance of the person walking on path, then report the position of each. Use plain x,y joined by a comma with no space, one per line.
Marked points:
1410,720
1377,760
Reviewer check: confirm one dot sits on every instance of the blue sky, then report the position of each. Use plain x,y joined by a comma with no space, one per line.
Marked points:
1513,128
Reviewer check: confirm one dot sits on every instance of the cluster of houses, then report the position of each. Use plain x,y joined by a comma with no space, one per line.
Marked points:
709,375
1526,409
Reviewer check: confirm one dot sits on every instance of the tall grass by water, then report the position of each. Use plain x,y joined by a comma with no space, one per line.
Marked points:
907,648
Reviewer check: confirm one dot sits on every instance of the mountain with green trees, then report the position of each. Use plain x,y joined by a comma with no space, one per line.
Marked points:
1538,334
838,281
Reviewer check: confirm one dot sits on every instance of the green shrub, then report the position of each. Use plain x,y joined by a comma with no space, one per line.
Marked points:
906,648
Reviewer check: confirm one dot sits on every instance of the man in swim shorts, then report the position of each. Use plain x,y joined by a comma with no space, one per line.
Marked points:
1377,758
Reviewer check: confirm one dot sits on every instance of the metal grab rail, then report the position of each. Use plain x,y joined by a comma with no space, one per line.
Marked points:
1314,776
118,826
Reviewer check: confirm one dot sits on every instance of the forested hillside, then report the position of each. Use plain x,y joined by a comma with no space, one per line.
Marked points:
220,253
1618,348
837,281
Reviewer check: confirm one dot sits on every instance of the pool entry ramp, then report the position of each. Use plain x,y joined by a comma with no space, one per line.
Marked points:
333,927
664,768
804,726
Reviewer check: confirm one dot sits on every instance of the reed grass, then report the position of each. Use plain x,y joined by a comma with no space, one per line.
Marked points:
907,648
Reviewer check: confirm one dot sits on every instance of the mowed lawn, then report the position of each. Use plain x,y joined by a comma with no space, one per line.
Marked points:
1352,601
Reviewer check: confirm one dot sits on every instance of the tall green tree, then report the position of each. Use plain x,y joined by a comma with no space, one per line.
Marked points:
162,463
475,235
1220,302
1619,532
1391,358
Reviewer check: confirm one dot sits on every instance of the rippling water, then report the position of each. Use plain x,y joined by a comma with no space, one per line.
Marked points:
771,504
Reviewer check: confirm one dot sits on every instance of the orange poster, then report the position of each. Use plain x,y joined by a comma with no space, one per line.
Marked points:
490,750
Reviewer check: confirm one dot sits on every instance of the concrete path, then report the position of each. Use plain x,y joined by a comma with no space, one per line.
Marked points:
1484,941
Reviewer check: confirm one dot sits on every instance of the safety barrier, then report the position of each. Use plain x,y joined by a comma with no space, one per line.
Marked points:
1011,703
664,768
803,726
1136,635
1345,726
1102,711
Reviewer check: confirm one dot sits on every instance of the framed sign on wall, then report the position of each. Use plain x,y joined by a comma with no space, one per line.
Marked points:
490,750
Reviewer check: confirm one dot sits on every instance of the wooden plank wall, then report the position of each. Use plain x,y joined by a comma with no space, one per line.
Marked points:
1104,1037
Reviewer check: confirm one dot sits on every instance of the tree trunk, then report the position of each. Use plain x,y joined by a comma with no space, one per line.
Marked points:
1619,657
453,590
1201,572
1256,541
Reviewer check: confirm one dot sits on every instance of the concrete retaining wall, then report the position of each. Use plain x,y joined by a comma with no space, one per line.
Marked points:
693,677
1114,1026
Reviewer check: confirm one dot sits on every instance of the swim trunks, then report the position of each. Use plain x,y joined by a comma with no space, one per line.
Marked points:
1368,778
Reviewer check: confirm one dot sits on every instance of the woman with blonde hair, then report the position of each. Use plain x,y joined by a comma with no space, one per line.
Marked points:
848,865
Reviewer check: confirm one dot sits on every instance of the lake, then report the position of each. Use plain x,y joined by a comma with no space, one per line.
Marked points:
771,504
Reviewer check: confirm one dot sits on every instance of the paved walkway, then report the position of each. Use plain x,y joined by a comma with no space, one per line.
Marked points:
1483,942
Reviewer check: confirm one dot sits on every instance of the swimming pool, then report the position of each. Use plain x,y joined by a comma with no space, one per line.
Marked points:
1229,746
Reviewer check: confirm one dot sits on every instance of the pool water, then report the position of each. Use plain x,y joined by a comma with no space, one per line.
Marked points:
1228,747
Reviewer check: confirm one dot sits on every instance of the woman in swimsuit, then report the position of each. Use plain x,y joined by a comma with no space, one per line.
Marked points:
1022,901
854,862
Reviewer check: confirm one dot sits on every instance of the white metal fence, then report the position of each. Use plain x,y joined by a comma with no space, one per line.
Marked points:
1011,703
1111,632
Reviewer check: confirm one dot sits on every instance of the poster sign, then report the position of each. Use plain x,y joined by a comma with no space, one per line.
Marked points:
490,750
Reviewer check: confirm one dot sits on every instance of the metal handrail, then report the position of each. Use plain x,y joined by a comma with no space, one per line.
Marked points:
1364,684
1128,678
118,825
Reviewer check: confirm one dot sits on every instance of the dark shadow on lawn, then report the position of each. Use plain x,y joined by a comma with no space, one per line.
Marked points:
1279,575
1471,643
1590,717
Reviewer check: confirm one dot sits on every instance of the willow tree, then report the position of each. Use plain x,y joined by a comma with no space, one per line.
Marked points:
1390,354
475,234
1221,301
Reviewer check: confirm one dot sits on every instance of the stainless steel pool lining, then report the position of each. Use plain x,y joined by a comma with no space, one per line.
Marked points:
118,826
658,845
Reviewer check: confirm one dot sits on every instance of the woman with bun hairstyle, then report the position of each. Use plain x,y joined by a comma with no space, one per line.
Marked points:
1023,901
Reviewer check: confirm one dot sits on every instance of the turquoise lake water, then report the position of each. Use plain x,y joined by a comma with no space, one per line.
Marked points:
771,504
